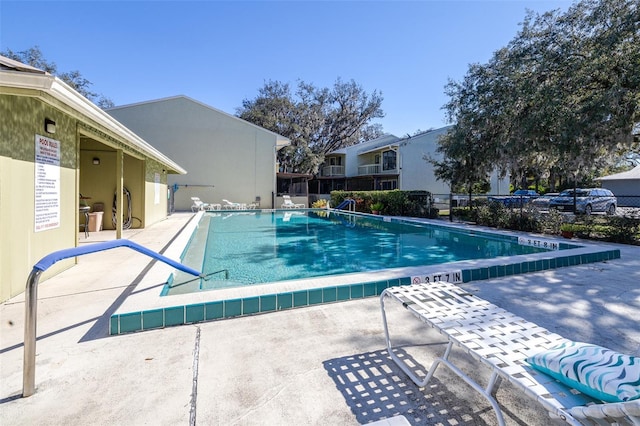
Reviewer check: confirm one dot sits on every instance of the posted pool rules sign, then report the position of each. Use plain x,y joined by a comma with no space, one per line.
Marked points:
47,184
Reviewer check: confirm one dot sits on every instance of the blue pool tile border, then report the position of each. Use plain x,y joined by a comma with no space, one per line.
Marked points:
189,314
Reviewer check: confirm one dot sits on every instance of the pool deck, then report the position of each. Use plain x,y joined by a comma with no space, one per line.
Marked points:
319,365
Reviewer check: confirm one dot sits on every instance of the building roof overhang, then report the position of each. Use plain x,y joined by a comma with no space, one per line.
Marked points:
294,175
18,81
375,176
10,64
393,146
633,174
281,141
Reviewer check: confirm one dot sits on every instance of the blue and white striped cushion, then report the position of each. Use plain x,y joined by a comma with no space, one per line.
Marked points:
593,370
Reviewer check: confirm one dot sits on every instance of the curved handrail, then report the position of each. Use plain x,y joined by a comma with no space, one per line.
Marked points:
347,202
31,296
47,261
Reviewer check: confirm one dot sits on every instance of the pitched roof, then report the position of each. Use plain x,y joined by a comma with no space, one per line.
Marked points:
629,175
371,145
387,140
15,75
281,141
13,65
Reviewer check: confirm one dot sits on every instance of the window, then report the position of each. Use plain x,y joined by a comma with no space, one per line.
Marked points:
292,186
283,186
326,186
388,185
389,160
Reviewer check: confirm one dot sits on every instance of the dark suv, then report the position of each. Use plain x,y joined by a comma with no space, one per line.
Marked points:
587,201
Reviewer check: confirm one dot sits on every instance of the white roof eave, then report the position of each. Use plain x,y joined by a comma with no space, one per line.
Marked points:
82,104
633,174
281,141
64,93
379,148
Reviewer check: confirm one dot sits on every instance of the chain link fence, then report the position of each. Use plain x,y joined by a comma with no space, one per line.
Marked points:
534,214
628,205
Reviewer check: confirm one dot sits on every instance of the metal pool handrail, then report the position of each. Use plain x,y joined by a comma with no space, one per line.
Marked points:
347,202
31,296
202,276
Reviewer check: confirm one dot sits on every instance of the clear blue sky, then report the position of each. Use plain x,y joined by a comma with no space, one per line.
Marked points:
221,52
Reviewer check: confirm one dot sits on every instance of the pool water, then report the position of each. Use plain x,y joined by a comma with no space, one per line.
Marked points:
260,247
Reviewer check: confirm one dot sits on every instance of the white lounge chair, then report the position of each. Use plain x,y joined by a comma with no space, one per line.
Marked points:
502,342
198,204
288,204
234,206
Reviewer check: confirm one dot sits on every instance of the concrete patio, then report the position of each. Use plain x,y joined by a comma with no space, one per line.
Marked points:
321,365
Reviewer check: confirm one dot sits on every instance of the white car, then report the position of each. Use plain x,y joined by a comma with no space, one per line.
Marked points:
543,201
587,201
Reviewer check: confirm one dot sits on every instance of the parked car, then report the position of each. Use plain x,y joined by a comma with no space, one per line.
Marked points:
543,201
517,199
587,201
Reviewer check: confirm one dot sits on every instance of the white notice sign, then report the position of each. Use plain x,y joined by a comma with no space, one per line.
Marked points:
47,184
454,277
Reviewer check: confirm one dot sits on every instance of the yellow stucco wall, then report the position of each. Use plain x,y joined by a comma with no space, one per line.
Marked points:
155,211
20,246
97,182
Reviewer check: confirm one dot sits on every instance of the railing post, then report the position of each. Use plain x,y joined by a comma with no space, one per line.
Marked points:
31,297
30,315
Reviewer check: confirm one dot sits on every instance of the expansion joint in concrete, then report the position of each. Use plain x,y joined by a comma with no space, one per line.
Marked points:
194,386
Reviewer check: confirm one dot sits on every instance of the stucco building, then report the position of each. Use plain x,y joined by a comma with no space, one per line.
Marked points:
227,157
55,145
625,186
387,163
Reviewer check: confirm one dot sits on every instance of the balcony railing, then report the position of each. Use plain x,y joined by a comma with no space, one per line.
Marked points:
369,169
374,169
333,171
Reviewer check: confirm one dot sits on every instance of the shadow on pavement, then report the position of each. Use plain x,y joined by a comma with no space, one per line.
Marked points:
375,388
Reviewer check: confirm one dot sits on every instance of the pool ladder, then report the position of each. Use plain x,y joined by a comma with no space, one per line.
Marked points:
350,203
226,274
204,277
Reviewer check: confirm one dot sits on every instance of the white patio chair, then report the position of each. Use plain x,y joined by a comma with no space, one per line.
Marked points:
288,204
198,204
234,206
501,341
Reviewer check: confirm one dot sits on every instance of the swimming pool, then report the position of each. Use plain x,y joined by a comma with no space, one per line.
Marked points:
148,308
239,249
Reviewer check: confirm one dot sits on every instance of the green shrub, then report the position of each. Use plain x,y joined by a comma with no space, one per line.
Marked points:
496,215
396,202
462,213
578,229
493,214
524,221
377,206
616,229
622,229
550,222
